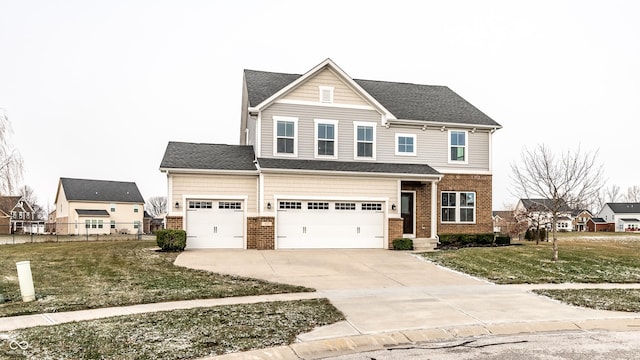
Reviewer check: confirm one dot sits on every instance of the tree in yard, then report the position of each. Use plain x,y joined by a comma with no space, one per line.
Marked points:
633,194
564,180
157,205
10,159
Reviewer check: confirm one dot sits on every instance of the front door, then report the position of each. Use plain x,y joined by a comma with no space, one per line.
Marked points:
407,213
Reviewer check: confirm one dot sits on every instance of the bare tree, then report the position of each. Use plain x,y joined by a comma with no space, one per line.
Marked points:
633,194
28,194
157,205
564,180
11,165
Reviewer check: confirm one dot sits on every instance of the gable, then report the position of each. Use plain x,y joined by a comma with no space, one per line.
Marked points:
309,90
100,190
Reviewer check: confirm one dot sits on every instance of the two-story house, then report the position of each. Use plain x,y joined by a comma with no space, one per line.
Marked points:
85,206
327,161
16,215
539,215
621,217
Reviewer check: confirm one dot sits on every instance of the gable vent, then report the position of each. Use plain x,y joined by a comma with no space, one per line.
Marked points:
326,94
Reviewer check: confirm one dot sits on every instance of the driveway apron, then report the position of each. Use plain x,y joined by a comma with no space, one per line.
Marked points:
382,290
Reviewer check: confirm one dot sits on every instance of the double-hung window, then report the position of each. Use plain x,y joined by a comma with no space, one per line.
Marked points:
365,137
285,135
326,138
458,207
405,144
458,146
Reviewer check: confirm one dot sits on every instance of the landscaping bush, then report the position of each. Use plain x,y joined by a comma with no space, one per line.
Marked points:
502,240
465,240
402,244
171,240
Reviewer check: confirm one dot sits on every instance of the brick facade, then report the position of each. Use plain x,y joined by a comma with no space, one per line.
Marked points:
174,222
261,233
395,230
482,185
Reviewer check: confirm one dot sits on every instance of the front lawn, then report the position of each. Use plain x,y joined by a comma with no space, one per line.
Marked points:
84,275
600,299
580,261
178,334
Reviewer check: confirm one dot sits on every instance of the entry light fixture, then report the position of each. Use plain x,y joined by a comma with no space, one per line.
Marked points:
177,205
269,205
393,207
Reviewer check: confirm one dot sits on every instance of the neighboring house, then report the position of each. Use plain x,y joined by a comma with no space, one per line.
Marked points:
621,217
19,212
328,161
595,224
580,218
503,221
98,207
537,212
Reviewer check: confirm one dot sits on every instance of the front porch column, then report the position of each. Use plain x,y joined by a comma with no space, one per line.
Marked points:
434,209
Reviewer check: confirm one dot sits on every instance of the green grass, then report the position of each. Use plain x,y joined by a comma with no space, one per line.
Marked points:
580,261
601,299
84,275
179,334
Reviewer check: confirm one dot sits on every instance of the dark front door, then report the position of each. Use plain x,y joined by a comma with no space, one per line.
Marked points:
406,211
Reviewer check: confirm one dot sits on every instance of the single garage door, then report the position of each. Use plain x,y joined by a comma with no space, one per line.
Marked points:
330,225
213,224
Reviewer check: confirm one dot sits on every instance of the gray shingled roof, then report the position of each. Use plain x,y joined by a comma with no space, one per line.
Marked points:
404,100
90,212
598,220
101,190
542,205
181,155
625,208
347,166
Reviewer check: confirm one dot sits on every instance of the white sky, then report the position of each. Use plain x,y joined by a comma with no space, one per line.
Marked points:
96,89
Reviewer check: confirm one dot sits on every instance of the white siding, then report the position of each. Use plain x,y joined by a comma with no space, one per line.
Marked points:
342,93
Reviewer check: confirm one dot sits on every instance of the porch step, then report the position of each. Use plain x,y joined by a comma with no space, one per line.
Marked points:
424,244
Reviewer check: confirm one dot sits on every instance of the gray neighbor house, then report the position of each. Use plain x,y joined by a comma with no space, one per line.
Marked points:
328,161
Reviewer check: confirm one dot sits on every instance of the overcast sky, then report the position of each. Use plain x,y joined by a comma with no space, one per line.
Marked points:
96,89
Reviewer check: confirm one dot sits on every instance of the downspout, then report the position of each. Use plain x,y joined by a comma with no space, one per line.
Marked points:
434,209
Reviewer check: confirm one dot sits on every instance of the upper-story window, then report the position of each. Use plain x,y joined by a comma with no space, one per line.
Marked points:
285,135
406,144
326,138
365,138
458,146
326,94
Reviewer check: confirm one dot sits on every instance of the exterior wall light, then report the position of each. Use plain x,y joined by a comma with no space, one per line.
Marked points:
269,205
177,205
393,207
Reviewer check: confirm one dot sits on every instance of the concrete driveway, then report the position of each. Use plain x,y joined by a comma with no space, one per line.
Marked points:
383,291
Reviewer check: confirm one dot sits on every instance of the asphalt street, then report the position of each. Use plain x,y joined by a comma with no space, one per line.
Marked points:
546,346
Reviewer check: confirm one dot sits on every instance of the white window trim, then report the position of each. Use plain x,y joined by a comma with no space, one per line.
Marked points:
321,90
275,135
466,147
458,207
355,140
415,145
335,138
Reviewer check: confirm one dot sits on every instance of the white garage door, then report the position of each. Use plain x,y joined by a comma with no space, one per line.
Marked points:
215,224
330,225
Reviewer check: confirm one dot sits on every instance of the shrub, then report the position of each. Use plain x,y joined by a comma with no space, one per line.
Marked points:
465,240
402,244
502,240
171,240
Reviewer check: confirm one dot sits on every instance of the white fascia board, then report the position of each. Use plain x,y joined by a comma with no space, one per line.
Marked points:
351,173
326,63
210,171
446,171
439,124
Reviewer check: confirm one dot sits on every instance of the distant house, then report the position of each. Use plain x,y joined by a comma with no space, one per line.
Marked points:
595,224
538,213
621,217
580,218
16,214
98,207
503,221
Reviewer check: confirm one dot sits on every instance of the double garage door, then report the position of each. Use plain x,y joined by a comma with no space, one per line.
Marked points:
329,224
215,224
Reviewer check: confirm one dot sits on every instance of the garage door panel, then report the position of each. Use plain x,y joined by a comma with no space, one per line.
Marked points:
335,227
215,225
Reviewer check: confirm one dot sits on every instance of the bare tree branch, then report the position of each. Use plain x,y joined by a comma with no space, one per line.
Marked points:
11,165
